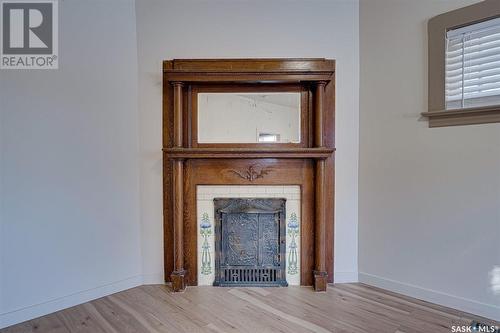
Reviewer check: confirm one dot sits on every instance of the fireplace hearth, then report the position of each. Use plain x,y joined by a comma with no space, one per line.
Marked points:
250,242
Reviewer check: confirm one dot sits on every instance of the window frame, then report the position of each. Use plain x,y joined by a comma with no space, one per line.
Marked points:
437,28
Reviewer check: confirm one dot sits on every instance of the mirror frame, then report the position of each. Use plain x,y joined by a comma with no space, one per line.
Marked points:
305,115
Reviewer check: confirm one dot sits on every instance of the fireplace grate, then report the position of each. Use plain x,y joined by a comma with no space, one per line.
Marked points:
251,275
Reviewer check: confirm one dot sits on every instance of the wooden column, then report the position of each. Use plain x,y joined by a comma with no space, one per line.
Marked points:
178,275
320,272
319,114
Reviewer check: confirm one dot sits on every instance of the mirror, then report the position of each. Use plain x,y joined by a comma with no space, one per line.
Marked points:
271,117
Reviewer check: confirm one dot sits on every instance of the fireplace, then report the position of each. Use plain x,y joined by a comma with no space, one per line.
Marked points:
209,199
250,242
253,129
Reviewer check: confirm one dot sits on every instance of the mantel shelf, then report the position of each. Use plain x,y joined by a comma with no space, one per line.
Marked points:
210,153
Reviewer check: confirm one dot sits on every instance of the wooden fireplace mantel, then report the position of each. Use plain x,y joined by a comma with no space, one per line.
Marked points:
184,153
187,163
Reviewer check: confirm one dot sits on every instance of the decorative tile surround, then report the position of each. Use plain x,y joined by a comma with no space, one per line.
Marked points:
205,216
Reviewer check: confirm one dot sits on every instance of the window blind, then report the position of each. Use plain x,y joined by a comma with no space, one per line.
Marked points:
473,65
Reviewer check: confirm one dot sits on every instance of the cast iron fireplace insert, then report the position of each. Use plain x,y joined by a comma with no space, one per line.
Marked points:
250,242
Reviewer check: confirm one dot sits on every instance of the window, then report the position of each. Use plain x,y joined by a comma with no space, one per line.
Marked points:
473,65
269,137
464,66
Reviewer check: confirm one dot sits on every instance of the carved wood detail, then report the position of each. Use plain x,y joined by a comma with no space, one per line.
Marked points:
251,173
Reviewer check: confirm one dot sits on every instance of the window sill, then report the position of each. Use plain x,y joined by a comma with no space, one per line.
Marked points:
472,116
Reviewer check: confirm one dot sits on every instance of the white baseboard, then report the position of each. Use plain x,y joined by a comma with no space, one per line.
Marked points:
37,310
345,277
153,279
467,305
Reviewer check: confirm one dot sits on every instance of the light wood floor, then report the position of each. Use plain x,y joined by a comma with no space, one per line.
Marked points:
343,308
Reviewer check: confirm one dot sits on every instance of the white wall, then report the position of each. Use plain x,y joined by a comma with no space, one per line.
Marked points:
429,217
69,171
232,29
